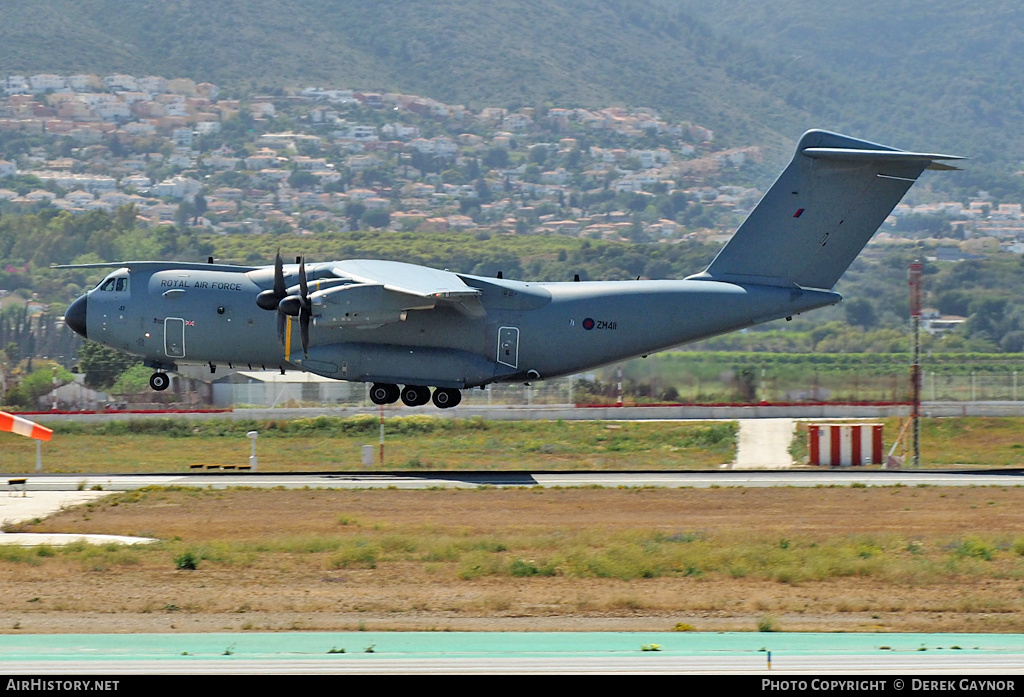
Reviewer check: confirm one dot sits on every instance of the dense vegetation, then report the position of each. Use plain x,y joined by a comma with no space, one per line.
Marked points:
926,74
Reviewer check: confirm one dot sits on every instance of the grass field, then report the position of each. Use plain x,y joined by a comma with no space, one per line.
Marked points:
411,443
429,443
779,559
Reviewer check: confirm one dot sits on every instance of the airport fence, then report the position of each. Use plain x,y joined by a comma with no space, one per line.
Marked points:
728,388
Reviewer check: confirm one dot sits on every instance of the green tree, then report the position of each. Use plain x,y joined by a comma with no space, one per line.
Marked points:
354,211
200,205
496,158
531,174
302,179
376,218
40,381
860,313
101,365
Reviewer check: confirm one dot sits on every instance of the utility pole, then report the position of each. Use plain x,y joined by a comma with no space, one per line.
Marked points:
915,366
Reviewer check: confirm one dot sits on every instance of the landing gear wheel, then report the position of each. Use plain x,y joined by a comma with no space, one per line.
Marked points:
446,398
383,393
159,381
415,395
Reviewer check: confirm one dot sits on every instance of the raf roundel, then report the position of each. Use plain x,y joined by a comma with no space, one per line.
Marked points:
588,323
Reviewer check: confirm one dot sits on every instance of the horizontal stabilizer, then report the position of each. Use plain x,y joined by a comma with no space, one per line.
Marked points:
853,155
821,211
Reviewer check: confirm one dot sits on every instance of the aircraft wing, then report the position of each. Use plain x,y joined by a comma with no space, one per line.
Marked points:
428,287
410,279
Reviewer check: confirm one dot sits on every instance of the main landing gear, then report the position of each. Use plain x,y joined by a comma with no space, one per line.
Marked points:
414,395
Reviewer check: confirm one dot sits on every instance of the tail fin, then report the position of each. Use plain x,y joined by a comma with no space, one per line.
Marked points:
820,212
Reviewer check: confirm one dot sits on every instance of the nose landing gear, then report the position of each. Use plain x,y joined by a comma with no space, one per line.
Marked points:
159,381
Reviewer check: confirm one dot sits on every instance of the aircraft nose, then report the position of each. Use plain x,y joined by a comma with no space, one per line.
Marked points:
75,316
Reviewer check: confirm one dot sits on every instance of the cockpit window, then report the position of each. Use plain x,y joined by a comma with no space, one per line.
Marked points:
119,284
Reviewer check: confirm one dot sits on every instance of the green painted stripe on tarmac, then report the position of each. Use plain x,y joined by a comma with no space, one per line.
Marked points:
425,645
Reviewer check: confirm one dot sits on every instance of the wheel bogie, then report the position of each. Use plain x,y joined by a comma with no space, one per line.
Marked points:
446,398
383,393
415,395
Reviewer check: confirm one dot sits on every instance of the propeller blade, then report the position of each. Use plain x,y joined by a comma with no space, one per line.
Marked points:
271,299
304,328
305,306
280,290
303,286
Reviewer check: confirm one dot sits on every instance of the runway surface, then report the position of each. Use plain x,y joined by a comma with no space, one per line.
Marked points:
422,480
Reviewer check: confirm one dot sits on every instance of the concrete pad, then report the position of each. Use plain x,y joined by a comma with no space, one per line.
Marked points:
764,444
34,539
18,508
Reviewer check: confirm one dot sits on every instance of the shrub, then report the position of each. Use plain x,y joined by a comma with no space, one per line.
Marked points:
187,560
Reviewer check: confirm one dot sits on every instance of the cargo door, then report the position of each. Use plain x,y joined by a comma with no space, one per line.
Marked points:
174,337
508,346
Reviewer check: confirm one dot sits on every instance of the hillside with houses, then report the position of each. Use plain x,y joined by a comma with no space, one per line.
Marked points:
172,152
319,159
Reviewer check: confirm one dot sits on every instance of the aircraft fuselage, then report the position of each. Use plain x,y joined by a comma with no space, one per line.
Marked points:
527,331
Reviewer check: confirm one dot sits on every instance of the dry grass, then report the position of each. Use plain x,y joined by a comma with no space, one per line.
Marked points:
411,443
898,559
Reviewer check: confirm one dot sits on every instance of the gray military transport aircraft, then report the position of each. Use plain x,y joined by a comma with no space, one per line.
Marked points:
392,323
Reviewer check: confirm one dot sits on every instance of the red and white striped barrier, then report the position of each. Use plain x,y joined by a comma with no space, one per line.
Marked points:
23,427
842,445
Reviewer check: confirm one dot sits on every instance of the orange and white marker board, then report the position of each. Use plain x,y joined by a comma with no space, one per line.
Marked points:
23,427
